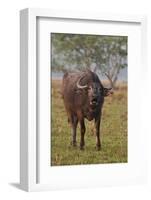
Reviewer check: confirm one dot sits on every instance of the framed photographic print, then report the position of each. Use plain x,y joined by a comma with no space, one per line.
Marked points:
80,94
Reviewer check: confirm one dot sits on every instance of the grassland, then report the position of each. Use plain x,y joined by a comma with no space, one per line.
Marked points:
113,132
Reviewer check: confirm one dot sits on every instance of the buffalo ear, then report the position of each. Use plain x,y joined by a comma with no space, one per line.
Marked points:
108,91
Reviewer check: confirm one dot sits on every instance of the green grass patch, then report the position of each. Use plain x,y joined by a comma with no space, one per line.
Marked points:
113,132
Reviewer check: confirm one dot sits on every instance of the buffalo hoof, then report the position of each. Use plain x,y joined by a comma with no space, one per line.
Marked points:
81,148
74,144
98,148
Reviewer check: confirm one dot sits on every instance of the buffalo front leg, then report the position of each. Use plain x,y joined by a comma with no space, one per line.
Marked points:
74,122
82,127
97,126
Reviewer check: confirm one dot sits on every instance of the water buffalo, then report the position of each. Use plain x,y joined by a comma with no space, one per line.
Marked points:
83,95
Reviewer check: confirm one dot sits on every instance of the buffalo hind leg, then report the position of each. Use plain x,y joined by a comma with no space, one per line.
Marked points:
74,122
97,126
82,127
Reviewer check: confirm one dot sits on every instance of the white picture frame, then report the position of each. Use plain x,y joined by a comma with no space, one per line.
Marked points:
29,149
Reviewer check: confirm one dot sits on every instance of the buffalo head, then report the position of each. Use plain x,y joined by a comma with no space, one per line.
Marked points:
94,89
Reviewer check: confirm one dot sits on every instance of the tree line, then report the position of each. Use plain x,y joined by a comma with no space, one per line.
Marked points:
107,54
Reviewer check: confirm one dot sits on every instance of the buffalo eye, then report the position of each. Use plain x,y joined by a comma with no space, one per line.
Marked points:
101,90
87,89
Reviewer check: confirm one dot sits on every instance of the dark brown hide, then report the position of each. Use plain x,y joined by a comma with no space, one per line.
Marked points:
83,95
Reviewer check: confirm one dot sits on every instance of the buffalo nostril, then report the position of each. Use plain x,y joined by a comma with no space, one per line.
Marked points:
94,100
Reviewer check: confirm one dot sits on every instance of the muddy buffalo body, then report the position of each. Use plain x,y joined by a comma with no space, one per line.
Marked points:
83,95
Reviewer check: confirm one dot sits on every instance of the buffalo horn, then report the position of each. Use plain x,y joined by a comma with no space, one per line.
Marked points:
81,86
